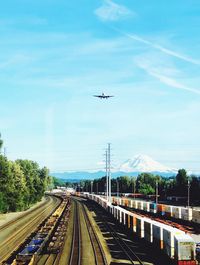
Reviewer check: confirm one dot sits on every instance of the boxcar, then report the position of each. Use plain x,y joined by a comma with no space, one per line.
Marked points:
148,230
196,216
176,212
168,239
168,210
153,207
140,226
186,214
158,235
161,209
184,249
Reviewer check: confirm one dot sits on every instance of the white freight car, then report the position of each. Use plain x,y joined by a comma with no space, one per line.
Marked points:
175,243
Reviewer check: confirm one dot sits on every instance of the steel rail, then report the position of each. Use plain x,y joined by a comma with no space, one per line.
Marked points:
22,233
100,258
124,246
51,260
54,258
75,258
14,221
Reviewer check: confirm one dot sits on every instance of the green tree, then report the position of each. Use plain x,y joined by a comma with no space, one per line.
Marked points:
22,183
57,182
42,181
1,143
195,188
29,173
146,183
133,185
146,189
124,184
17,188
36,180
181,177
181,182
5,173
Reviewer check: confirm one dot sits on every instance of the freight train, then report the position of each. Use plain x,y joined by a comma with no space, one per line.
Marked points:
50,236
177,212
179,246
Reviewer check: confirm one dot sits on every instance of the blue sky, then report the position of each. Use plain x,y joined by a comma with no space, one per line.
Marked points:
56,54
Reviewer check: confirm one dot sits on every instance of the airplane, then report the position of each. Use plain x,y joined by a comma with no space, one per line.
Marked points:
102,96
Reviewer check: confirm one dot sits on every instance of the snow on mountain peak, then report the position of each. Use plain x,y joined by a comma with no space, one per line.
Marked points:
143,163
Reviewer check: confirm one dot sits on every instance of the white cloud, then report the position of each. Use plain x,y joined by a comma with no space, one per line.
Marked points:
160,48
173,83
16,60
100,163
111,11
159,73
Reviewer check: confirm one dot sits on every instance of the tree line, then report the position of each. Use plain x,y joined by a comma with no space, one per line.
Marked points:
22,183
145,183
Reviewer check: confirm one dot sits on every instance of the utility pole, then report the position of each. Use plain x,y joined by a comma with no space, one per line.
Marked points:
97,188
134,188
188,193
109,173
156,191
117,188
91,186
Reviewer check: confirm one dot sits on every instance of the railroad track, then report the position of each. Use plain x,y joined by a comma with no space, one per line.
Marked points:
77,246
11,244
75,253
124,247
100,258
53,257
130,254
14,221
50,259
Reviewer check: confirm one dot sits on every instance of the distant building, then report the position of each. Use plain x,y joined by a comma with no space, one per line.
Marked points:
58,190
70,190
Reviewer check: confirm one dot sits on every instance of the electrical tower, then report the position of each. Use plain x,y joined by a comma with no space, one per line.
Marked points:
109,173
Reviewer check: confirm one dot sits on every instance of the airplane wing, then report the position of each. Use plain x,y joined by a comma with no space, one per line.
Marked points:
102,96
97,96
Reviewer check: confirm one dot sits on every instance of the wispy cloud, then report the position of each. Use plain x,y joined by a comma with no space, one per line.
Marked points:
167,80
160,48
173,83
110,11
16,60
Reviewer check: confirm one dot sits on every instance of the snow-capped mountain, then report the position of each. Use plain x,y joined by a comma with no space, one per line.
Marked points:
131,167
143,163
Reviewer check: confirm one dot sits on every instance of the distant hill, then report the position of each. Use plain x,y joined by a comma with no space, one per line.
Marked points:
75,176
131,167
78,175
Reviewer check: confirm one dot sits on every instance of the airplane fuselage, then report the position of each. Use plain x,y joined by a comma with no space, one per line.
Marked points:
102,96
